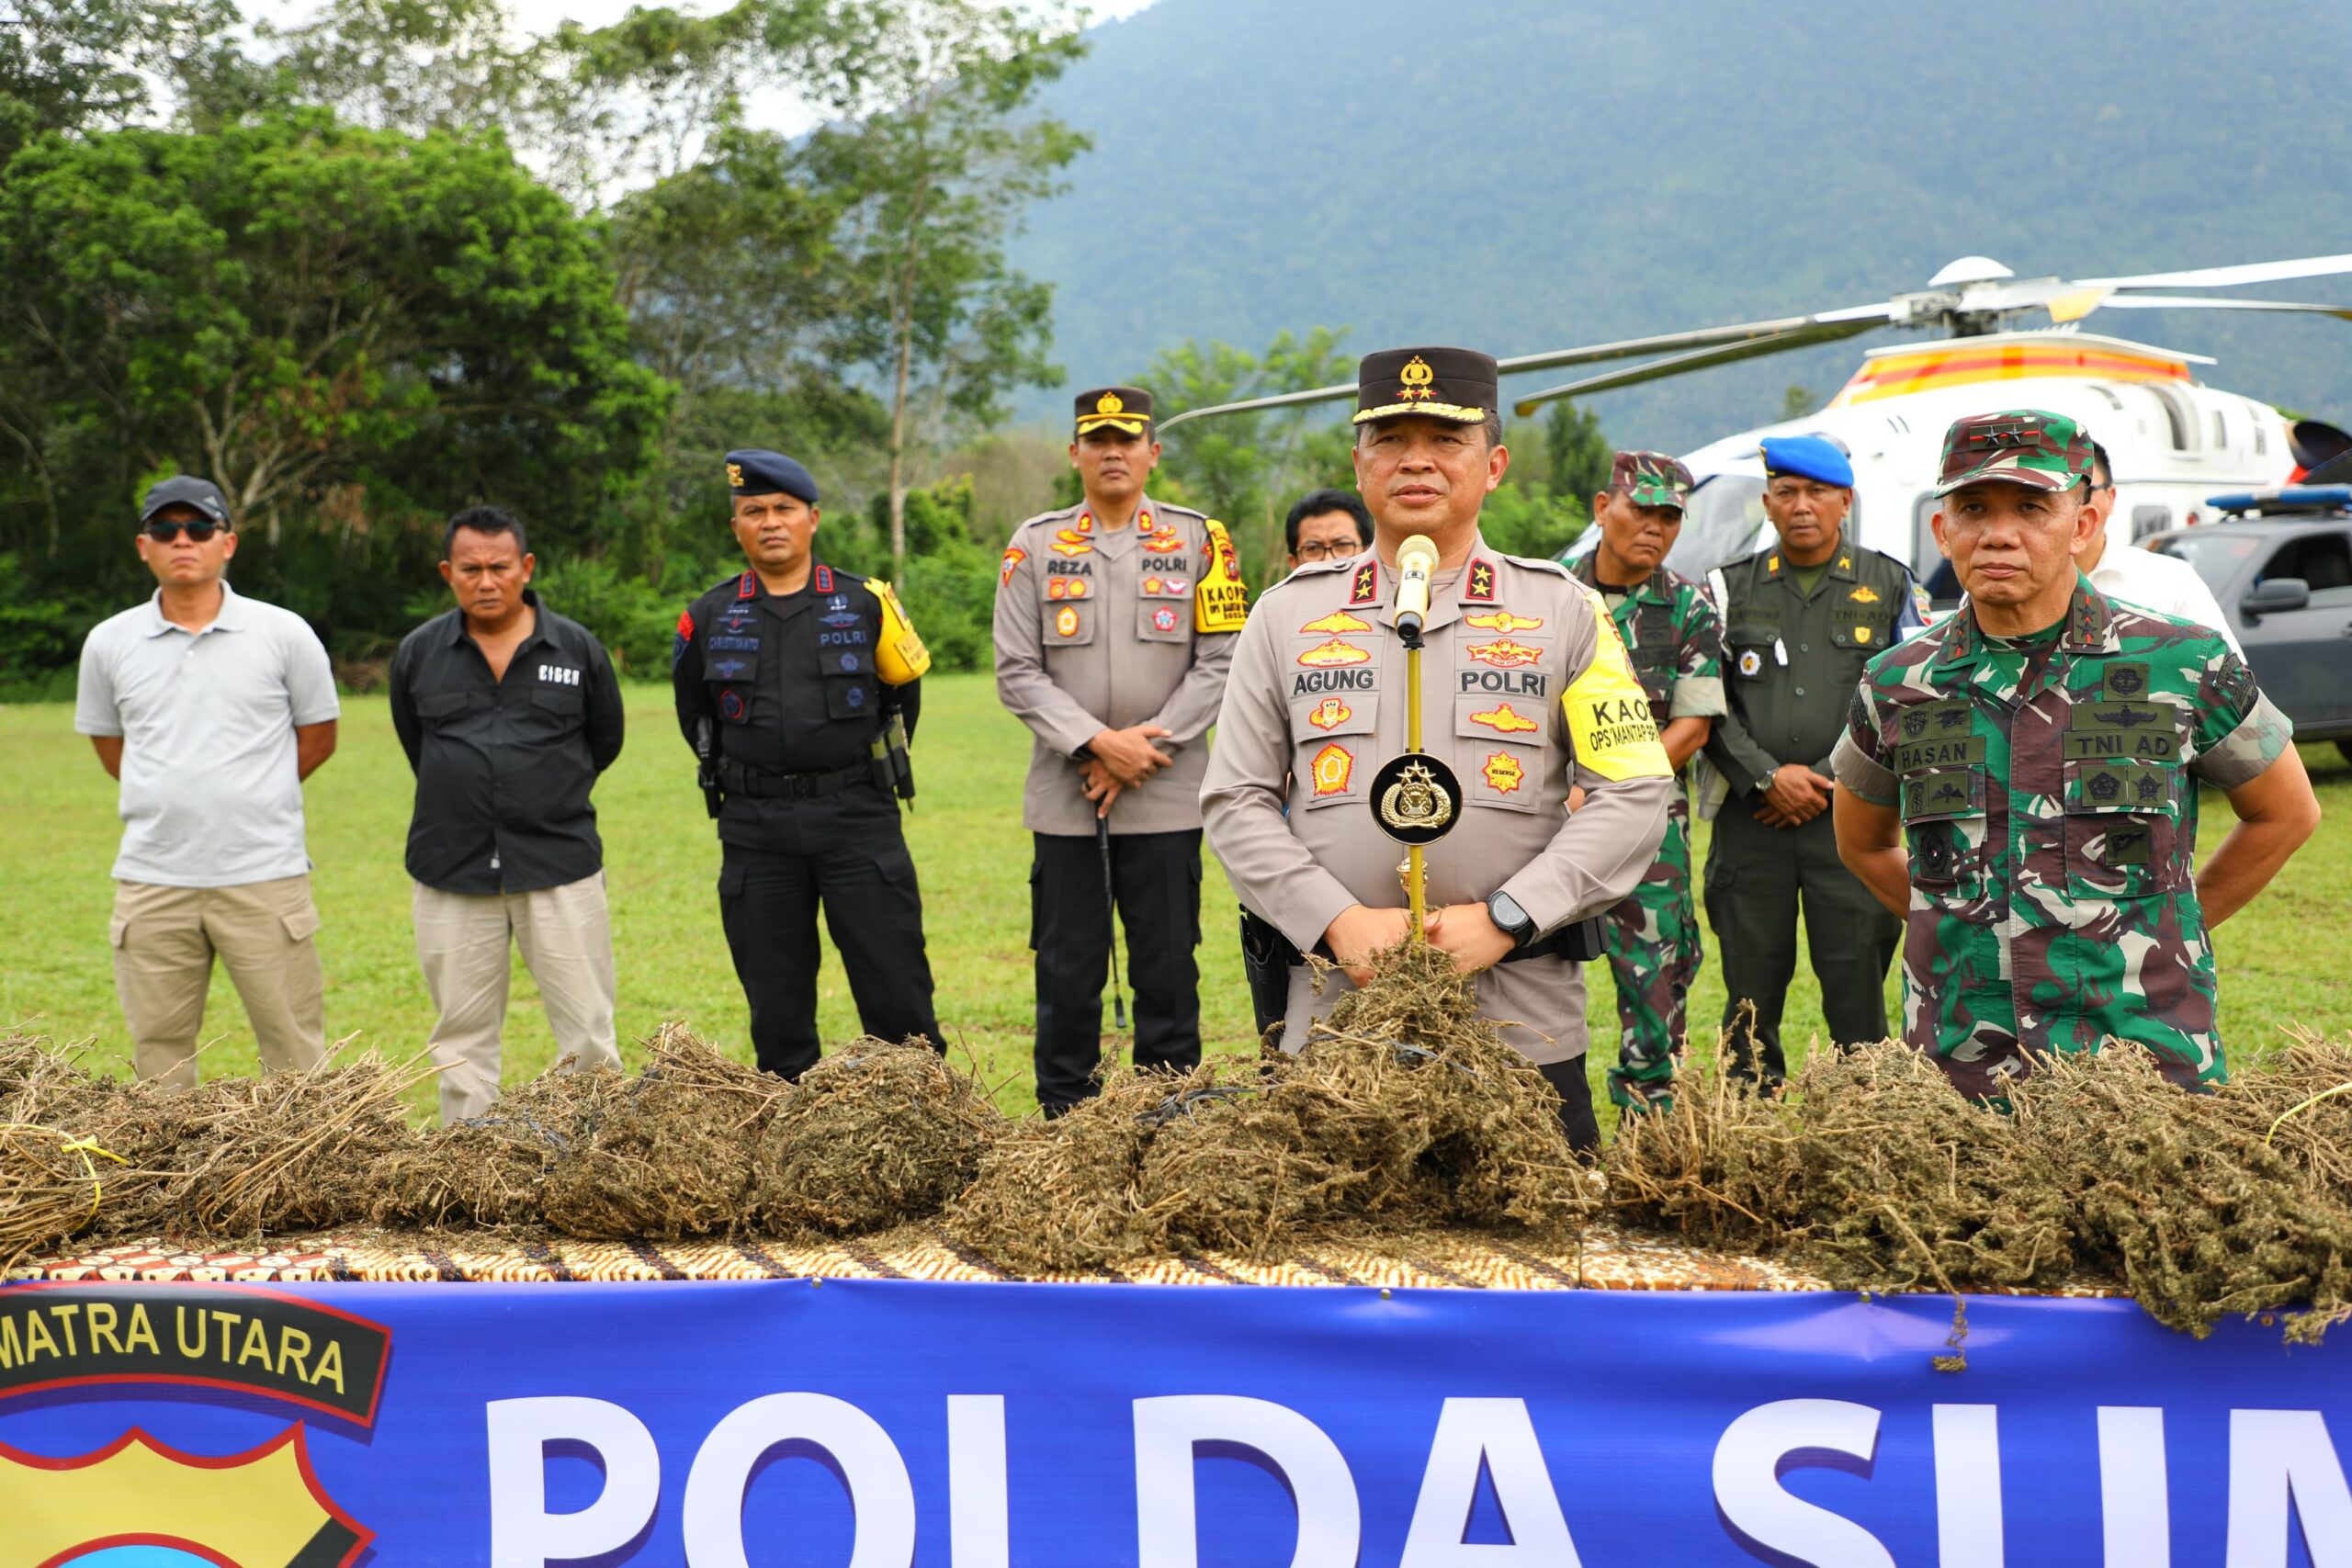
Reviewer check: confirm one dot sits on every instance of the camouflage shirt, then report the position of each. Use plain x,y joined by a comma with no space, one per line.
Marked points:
1676,642
2049,804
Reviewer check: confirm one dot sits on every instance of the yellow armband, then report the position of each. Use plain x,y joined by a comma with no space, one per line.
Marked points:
901,657
1609,713
1220,599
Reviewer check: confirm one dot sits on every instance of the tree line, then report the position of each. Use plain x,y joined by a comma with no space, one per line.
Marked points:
397,258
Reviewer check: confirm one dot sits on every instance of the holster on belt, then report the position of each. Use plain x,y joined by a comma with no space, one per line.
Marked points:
893,768
707,766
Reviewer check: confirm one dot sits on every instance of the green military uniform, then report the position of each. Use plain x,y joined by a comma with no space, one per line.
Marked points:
1793,655
1675,642
2048,790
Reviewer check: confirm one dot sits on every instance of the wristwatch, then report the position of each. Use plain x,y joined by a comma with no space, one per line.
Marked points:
1510,920
1764,782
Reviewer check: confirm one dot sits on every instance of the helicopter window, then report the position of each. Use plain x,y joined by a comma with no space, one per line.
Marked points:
1725,513
2183,426
1925,556
2221,430
2147,520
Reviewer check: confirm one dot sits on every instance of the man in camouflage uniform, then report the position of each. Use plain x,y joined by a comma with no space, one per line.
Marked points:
2019,784
1676,644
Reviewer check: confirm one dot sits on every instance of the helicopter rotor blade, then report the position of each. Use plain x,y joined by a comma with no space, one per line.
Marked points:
1696,359
1852,319
2228,276
2199,302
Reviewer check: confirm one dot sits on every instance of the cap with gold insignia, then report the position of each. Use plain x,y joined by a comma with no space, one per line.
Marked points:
756,472
1459,384
1123,409
2019,447
1650,478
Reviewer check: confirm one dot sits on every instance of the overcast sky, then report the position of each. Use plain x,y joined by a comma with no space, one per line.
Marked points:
543,15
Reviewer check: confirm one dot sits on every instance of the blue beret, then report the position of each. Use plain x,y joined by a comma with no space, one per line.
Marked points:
755,472
1808,458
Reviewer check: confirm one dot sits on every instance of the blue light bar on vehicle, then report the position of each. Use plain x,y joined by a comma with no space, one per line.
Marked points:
2284,498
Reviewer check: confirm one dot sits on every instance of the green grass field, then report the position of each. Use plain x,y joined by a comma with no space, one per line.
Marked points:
2283,960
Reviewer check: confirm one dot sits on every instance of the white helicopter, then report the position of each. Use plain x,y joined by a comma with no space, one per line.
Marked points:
2173,440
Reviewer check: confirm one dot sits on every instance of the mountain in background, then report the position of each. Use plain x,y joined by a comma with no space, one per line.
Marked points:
1523,175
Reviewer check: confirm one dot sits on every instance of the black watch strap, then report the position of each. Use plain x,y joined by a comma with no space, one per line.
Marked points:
1509,918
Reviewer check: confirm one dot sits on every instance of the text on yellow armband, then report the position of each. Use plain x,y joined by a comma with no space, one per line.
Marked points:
1220,599
1609,713
900,655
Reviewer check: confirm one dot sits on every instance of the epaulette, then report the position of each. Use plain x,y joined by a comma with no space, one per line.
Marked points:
1329,563
1539,563
1044,519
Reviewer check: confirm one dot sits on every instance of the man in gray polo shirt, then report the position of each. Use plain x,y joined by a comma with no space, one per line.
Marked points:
211,709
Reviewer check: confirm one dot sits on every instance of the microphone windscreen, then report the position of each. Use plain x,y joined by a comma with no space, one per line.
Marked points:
1417,554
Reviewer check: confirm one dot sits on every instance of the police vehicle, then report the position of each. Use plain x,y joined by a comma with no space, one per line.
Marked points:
2279,561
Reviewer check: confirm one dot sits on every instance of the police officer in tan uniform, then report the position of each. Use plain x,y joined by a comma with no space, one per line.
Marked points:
1116,622
1526,691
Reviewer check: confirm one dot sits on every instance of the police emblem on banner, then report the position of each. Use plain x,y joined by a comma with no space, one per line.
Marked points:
144,1500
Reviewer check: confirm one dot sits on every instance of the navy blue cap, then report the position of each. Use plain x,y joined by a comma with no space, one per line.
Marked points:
754,472
1808,458
186,489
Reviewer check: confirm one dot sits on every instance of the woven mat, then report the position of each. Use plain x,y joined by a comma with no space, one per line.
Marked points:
1608,1260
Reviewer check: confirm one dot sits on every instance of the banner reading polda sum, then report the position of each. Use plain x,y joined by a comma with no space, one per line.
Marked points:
883,1424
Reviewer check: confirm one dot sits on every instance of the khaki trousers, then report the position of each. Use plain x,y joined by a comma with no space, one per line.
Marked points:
566,938
164,939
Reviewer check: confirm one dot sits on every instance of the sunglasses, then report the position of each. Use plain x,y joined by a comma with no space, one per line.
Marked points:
198,532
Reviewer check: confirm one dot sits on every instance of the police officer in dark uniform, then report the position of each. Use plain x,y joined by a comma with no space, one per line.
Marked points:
797,684
1801,618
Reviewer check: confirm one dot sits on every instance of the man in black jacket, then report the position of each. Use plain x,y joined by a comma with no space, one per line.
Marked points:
508,713
797,685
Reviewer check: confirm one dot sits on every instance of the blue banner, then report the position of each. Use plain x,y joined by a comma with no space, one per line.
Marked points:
886,1424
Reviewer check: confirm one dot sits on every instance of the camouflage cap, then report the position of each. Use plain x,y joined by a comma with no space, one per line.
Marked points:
2021,446
1650,478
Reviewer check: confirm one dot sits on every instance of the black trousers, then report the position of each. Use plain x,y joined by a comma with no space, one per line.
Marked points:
1156,879
1755,875
847,853
1576,1118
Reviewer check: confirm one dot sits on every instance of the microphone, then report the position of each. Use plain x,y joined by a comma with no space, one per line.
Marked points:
1416,560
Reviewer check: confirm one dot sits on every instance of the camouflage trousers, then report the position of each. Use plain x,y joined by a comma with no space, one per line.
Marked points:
1652,939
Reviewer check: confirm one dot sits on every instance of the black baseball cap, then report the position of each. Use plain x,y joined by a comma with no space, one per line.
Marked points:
185,489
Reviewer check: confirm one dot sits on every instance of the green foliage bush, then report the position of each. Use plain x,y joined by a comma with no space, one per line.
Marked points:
633,619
